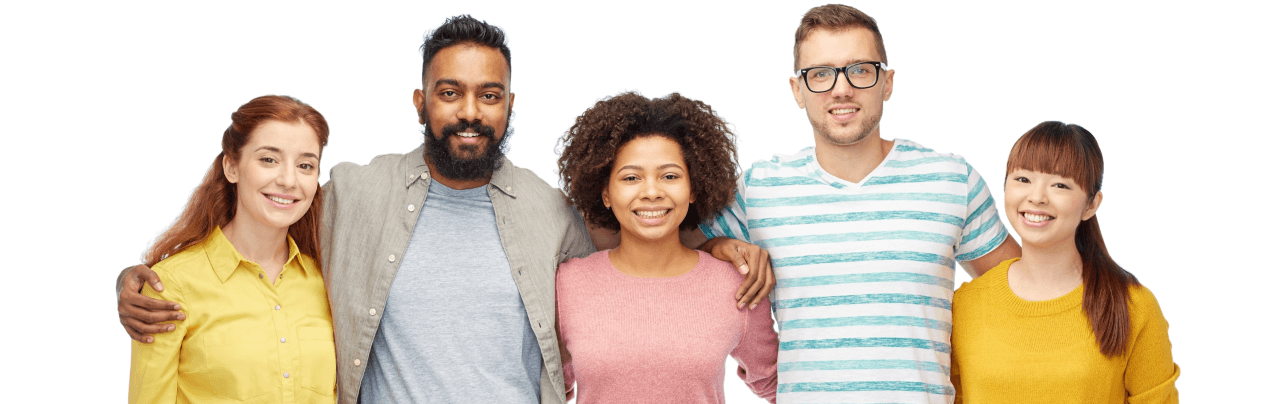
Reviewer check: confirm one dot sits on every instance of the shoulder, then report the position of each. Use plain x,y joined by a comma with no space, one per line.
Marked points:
721,272
186,261
382,166
578,268
781,162
907,153
529,185
1143,303
985,283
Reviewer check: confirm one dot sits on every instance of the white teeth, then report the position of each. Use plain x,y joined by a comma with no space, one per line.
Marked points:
283,201
844,111
651,214
466,134
1037,218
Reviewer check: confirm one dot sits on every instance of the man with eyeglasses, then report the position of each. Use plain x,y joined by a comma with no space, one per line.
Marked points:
863,232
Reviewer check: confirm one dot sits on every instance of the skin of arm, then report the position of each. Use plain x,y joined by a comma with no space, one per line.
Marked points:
141,315
1007,250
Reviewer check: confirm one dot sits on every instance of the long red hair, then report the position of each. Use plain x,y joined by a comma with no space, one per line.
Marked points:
214,202
1071,151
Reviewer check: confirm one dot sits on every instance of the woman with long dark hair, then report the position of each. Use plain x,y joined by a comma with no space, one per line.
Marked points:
1063,323
239,261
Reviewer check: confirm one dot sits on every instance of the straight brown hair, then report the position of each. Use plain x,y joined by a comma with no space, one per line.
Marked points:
1070,151
214,202
834,17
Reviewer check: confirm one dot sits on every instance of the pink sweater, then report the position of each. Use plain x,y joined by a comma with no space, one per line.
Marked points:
660,340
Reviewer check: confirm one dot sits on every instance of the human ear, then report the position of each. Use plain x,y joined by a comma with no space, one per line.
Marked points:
889,86
230,169
604,194
796,92
418,101
1093,205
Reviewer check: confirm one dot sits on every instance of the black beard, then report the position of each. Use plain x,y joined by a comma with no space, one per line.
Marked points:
438,150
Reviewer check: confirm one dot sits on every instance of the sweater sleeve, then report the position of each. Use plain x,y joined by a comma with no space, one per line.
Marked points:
1151,375
757,353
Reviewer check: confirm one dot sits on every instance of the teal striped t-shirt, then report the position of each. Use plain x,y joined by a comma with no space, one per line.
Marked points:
865,271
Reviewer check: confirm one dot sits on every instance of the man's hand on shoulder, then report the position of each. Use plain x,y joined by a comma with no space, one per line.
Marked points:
752,261
140,314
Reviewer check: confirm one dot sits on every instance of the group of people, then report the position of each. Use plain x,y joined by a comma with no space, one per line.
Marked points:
447,274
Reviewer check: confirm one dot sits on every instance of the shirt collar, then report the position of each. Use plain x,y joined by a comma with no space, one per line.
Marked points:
414,169
226,259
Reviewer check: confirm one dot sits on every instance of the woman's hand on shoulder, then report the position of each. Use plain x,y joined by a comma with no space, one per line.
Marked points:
752,261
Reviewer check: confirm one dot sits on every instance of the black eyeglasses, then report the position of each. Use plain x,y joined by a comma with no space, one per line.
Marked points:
821,79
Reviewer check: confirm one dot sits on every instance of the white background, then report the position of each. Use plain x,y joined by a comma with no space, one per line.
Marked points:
111,113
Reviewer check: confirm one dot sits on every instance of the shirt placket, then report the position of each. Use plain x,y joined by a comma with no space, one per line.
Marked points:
287,348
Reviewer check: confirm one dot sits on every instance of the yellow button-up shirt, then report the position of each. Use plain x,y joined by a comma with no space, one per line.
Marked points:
245,338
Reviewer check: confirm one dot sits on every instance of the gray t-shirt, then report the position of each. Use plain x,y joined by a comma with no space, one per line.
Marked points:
454,328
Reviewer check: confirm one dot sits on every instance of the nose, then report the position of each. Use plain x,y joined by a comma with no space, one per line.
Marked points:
469,111
842,88
287,177
651,190
1038,195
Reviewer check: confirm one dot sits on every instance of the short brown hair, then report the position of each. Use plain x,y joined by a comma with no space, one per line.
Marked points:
590,149
835,17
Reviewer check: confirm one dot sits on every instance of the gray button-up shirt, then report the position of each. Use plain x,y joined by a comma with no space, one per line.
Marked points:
366,226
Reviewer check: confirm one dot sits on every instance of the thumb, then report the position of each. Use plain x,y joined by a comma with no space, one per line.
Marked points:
739,261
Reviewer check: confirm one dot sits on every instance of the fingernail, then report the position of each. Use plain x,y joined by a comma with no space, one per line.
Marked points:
158,286
740,304
177,307
753,306
148,340
169,328
743,269
180,316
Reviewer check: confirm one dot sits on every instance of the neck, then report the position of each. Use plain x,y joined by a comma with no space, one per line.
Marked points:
852,162
258,243
653,258
1050,265
455,183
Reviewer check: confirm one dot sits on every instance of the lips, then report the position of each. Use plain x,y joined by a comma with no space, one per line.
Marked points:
466,134
652,214
1037,218
281,200
843,111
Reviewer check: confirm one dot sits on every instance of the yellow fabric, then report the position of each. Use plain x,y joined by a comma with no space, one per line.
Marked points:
1009,350
230,349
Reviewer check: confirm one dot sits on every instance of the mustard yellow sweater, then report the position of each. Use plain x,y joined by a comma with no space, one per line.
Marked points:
1010,350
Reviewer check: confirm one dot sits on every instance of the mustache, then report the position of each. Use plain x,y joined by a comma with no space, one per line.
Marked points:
463,126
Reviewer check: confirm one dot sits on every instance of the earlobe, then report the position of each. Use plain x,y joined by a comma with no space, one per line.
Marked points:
1093,206
230,170
418,101
796,92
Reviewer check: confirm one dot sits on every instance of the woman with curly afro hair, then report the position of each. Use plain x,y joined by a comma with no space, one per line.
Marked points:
650,321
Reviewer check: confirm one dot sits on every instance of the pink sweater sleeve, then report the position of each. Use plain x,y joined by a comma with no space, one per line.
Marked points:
757,353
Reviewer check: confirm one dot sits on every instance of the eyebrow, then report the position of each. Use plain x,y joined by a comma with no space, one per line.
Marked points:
277,150
667,165
454,82
846,63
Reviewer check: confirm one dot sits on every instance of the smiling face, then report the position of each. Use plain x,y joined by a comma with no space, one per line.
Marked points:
1045,209
465,106
277,175
648,188
845,115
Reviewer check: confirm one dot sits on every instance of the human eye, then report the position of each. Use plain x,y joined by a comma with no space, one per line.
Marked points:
671,176
450,94
821,73
1021,179
1062,185
306,166
630,178
860,69
268,160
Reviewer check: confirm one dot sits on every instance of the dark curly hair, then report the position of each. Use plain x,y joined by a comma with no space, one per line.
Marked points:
590,148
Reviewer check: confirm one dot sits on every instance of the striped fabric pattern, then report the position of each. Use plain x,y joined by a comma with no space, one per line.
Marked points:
865,271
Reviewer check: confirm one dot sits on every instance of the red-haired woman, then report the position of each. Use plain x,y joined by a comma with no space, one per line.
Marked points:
239,261
1063,323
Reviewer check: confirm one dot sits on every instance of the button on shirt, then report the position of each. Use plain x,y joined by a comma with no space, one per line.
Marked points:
245,338
366,231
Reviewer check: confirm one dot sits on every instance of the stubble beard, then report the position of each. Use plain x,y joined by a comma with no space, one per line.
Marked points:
866,127
446,161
